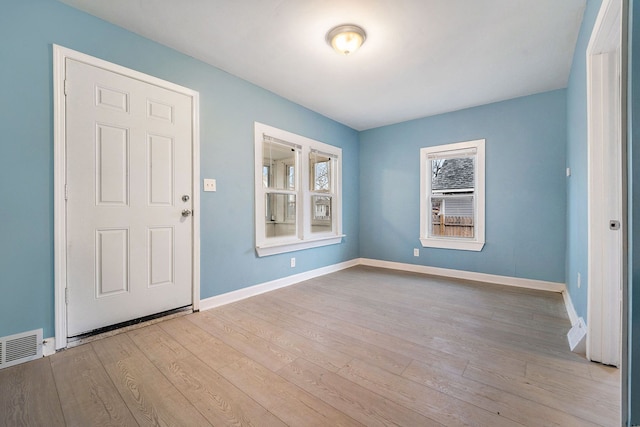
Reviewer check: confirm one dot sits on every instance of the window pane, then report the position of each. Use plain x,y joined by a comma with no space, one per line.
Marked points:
452,175
321,214
452,216
320,169
280,215
279,163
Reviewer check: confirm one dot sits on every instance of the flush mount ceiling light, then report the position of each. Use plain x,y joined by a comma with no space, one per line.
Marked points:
346,39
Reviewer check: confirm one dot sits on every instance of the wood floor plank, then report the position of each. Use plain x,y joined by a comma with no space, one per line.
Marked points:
511,406
369,408
279,309
484,351
264,352
434,310
466,327
326,356
151,398
604,374
382,356
540,374
219,401
87,395
591,409
439,406
426,332
425,287
202,344
28,395
285,400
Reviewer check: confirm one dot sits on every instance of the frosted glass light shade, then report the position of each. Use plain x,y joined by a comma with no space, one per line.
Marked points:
346,39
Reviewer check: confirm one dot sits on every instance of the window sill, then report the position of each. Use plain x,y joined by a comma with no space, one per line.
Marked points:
280,248
461,245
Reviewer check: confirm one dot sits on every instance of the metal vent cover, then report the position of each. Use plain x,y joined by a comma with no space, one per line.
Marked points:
20,348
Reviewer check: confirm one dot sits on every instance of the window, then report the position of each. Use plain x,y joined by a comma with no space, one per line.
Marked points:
452,196
298,192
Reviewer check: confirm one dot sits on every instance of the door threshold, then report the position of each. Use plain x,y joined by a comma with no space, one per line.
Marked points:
129,325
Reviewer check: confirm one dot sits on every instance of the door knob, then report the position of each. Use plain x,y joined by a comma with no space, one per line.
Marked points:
185,198
186,212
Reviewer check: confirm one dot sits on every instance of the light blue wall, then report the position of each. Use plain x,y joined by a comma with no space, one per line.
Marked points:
229,106
577,161
525,187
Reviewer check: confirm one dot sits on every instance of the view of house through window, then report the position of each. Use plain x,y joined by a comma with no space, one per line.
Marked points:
452,196
297,192
452,202
320,186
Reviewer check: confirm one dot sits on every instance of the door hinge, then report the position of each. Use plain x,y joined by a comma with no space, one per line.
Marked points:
66,295
66,192
65,87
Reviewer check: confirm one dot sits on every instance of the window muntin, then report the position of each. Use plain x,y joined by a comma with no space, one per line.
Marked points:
298,195
452,196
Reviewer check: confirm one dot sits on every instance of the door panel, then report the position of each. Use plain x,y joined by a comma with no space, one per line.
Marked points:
161,256
112,166
112,262
129,151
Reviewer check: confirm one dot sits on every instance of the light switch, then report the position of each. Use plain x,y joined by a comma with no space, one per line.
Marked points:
209,184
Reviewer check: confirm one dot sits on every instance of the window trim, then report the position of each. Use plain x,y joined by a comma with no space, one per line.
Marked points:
303,238
468,244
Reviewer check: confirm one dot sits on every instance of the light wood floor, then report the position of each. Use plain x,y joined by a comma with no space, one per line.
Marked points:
363,346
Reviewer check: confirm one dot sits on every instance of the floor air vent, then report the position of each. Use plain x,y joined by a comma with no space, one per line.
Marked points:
20,348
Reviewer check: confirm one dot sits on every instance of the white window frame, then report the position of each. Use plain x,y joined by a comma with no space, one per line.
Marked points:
303,237
461,243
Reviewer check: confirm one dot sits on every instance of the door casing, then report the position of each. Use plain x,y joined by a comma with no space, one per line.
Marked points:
60,54
606,185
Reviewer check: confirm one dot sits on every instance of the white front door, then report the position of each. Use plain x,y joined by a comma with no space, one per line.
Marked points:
129,182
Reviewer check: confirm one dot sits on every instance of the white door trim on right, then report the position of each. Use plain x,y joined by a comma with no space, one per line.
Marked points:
59,152
605,187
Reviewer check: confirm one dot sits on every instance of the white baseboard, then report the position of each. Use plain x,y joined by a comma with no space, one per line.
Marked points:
468,275
240,294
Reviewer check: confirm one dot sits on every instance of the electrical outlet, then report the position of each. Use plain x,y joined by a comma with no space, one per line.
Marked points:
578,280
416,252
293,262
209,184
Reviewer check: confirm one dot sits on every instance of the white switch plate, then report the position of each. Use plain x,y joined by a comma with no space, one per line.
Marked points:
416,252
293,262
209,184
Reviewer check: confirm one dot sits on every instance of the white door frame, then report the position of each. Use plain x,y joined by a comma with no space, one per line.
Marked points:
606,197
60,54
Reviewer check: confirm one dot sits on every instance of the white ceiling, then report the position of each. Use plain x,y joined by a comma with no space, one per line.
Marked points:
421,57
